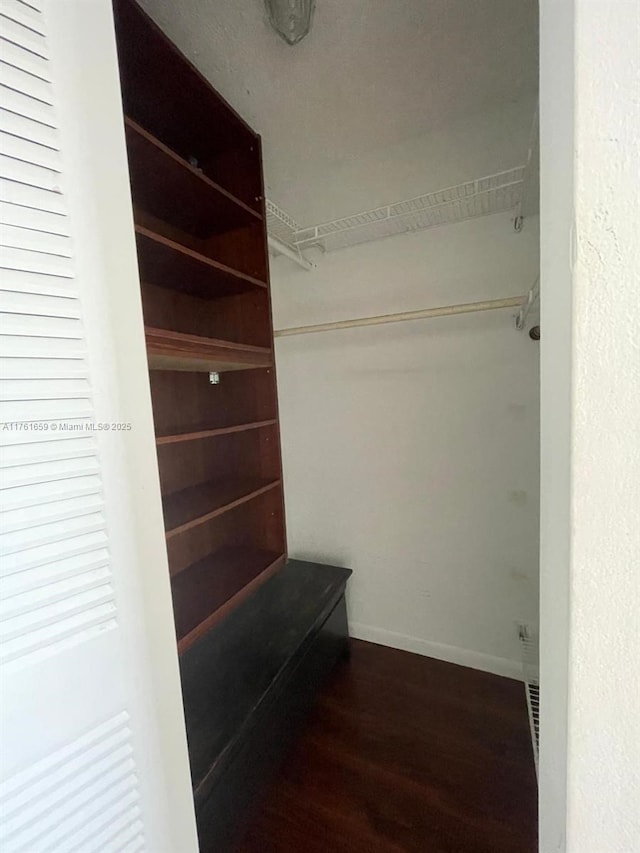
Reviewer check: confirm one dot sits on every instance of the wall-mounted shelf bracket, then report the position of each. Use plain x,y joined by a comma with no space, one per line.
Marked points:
530,299
281,231
295,255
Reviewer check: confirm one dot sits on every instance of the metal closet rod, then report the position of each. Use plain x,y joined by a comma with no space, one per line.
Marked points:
424,314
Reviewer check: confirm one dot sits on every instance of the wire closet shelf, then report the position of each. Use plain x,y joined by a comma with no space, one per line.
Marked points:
483,196
496,193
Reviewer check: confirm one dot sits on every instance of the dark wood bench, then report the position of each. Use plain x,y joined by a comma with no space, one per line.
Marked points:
247,685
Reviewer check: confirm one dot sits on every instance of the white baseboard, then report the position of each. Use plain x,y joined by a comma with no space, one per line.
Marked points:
439,651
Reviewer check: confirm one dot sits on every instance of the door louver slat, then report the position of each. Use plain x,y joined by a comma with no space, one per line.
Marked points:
80,798
35,198
23,35
27,14
24,216
19,80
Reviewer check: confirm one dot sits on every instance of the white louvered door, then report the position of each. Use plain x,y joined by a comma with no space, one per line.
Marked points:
93,753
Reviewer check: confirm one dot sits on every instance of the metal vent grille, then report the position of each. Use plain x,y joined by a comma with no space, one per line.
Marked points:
531,672
490,194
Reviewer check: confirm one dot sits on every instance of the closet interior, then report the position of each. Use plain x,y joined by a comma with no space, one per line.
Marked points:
410,450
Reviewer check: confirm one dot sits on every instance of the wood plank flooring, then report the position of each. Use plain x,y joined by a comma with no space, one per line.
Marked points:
405,754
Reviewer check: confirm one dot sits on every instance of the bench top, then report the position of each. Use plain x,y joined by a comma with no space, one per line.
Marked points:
228,672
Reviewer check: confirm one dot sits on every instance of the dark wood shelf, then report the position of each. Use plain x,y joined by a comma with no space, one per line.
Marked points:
197,190
169,188
165,93
167,350
208,590
168,264
200,431
198,504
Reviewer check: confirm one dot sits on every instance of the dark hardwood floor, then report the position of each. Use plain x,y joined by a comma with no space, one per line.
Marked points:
405,753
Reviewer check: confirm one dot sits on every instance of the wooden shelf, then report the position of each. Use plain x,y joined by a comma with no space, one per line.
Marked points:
167,350
200,225
165,263
197,432
164,92
198,504
205,592
169,188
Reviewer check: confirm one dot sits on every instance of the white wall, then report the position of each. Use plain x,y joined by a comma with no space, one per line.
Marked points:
410,450
590,527
468,148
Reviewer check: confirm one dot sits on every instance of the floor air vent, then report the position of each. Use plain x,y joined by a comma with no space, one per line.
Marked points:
531,672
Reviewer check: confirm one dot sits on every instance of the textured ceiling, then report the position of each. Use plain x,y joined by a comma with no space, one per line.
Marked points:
371,74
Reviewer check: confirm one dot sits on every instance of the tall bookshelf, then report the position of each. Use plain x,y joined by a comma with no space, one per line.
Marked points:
197,187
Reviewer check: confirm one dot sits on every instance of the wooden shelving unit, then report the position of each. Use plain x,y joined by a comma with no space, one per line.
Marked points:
198,504
210,588
198,432
186,197
167,263
169,350
196,181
